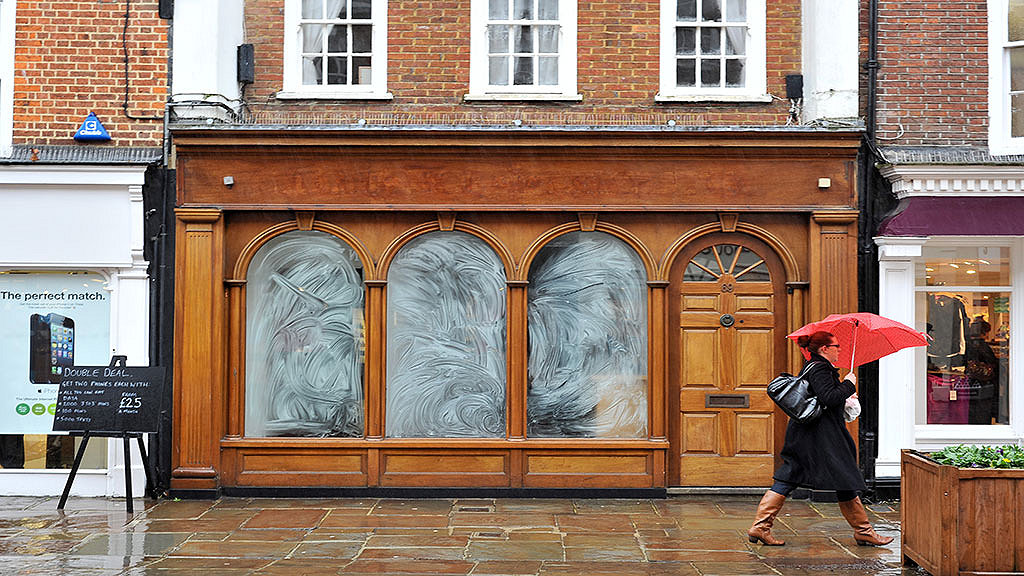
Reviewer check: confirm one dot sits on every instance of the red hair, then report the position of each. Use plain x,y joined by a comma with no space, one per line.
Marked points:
814,342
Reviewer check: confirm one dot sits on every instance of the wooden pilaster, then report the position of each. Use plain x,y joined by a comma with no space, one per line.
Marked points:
795,306
657,363
517,338
199,346
236,357
833,287
375,359
833,247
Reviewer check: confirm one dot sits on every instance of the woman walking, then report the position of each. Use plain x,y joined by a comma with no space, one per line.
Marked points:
820,454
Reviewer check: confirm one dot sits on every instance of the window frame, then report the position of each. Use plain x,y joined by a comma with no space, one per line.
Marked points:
251,296
8,13
293,88
643,320
1000,141
927,436
481,89
395,329
755,89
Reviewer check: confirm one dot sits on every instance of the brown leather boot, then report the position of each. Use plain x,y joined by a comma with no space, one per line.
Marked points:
857,516
761,530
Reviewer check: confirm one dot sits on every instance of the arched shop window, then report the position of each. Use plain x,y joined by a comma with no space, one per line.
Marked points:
587,326
304,338
963,296
446,339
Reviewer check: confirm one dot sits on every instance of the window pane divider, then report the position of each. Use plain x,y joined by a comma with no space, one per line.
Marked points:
691,24
526,22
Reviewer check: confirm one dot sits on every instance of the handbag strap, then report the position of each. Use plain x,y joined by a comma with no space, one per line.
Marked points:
806,368
804,371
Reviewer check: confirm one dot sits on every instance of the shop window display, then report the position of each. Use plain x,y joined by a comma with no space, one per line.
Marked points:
48,451
587,327
963,303
446,339
49,321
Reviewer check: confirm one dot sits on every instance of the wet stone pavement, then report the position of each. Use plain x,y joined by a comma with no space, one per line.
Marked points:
680,535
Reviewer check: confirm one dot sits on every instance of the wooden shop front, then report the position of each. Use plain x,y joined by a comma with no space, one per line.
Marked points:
489,309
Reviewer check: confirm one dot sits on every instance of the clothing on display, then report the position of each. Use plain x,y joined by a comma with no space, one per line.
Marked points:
947,325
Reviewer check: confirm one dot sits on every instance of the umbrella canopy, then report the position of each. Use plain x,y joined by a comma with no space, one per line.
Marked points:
864,337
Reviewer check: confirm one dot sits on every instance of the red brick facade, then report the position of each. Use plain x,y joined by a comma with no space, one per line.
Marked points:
618,67
933,75
69,61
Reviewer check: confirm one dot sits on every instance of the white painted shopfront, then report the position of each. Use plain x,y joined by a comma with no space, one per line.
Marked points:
71,244
951,263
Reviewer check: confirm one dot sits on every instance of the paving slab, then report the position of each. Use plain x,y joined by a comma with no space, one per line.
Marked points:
330,550
130,545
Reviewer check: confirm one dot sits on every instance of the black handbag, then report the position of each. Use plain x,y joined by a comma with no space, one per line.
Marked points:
794,396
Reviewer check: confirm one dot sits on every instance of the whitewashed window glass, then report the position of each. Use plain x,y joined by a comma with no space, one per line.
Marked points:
587,327
523,47
304,338
338,47
446,339
713,47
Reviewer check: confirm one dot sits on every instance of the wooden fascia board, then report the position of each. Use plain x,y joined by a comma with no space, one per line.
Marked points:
839,143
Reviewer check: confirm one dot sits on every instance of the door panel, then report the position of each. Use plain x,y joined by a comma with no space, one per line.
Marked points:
754,303
701,434
730,311
753,358
694,303
753,433
700,344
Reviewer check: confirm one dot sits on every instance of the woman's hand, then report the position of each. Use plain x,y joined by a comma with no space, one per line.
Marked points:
852,378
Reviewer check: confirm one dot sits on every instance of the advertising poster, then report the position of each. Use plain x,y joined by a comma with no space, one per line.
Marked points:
49,321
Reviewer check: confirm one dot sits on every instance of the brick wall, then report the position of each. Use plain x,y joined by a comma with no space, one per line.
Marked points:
618,60
933,80
69,61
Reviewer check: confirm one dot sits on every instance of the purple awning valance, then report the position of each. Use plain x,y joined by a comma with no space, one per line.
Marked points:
956,216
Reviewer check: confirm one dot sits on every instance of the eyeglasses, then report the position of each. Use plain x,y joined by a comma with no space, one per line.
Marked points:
836,346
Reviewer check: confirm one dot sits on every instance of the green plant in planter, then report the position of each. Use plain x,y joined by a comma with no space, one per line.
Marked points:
981,456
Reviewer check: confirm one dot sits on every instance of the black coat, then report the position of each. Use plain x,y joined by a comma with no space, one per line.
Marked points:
821,454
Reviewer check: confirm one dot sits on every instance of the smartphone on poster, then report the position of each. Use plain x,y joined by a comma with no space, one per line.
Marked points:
51,347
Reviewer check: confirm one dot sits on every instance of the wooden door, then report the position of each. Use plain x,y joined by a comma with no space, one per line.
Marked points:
729,304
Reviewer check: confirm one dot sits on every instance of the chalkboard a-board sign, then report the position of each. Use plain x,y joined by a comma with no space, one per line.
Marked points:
112,399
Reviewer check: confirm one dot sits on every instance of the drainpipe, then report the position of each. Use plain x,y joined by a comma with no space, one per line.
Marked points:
868,255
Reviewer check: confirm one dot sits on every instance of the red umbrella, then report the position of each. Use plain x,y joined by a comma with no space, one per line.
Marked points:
864,337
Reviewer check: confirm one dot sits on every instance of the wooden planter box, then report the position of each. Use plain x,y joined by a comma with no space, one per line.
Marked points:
961,520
